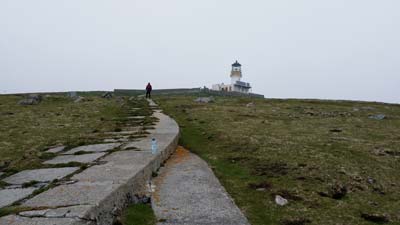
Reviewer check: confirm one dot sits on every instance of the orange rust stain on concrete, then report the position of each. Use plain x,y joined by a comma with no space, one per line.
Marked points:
180,155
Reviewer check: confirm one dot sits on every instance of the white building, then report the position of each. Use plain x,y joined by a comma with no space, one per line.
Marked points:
236,84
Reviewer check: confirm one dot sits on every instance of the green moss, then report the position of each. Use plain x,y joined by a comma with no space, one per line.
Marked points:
138,214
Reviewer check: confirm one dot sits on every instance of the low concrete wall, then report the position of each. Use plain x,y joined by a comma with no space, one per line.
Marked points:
98,194
187,91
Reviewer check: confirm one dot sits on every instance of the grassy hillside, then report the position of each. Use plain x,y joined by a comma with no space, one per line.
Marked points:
27,131
333,163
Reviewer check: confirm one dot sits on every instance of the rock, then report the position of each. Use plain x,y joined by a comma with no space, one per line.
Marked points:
79,99
107,95
280,200
31,99
56,149
378,117
205,100
377,218
249,105
338,191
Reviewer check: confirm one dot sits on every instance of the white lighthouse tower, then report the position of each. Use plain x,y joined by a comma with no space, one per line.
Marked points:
236,73
237,85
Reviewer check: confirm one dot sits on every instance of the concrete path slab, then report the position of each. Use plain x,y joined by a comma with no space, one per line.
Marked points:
62,212
86,158
41,175
118,169
56,149
82,193
187,192
19,220
93,148
151,103
9,196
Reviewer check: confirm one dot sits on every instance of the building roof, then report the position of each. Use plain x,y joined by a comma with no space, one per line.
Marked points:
236,64
242,84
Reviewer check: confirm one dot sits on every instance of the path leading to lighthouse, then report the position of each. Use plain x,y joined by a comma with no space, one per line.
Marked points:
187,192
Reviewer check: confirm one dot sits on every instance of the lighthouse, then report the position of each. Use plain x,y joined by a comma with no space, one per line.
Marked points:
237,85
236,73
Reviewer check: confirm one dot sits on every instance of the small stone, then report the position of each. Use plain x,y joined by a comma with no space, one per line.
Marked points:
378,117
79,99
338,191
280,200
56,149
371,180
249,105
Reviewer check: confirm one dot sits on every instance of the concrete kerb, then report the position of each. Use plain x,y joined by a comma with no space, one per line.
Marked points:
120,190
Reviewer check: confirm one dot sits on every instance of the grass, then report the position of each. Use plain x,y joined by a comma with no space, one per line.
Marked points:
138,214
27,131
302,150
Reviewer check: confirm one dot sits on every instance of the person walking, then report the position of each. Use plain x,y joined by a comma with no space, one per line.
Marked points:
149,88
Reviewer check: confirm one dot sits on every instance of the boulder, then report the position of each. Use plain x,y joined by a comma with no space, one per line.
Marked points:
79,99
107,95
205,100
31,99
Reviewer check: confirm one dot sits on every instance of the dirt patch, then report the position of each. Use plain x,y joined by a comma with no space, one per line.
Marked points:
264,185
274,169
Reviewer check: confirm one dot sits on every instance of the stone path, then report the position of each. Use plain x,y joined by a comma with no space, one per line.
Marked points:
9,196
188,193
40,175
97,194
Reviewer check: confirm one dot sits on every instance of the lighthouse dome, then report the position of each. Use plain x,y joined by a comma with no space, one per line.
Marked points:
236,64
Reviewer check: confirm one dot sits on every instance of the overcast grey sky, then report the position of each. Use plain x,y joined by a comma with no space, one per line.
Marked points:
336,49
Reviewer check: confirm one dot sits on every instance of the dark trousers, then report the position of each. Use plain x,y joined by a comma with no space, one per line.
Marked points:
148,94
